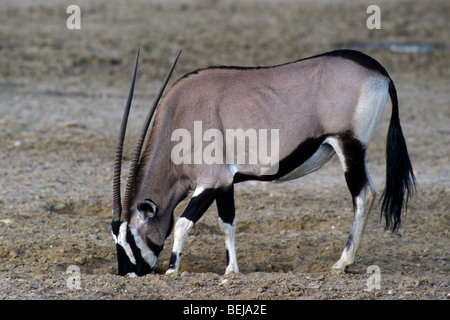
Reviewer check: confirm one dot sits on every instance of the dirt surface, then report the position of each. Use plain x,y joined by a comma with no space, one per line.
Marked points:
62,94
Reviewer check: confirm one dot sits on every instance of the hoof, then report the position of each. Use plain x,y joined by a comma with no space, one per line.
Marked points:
337,271
339,268
231,270
171,272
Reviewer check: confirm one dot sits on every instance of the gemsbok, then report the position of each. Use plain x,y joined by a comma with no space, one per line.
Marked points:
315,107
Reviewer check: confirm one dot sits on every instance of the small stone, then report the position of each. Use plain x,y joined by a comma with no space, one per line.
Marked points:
14,253
80,260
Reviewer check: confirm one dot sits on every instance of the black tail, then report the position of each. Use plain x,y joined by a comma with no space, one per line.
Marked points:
400,180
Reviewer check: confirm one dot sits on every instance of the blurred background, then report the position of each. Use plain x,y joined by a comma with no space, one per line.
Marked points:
37,48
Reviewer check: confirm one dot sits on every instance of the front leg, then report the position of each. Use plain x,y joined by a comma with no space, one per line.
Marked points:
200,202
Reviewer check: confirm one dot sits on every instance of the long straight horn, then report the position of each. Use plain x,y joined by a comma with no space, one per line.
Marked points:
117,209
137,151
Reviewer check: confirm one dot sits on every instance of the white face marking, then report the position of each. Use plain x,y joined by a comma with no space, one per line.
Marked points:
121,239
148,255
114,236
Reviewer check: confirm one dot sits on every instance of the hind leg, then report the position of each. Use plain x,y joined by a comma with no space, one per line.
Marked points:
227,223
351,153
362,204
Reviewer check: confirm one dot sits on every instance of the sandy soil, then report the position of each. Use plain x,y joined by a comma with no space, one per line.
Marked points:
61,98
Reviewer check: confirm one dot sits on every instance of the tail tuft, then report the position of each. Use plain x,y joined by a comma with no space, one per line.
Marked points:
400,180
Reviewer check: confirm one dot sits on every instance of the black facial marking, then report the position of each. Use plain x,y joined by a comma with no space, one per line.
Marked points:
142,268
115,227
154,247
125,266
134,248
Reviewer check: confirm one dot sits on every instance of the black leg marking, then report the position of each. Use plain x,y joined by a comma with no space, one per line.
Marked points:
227,210
355,155
173,260
349,241
225,205
199,204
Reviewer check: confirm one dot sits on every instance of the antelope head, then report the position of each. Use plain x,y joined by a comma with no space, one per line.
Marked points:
139,236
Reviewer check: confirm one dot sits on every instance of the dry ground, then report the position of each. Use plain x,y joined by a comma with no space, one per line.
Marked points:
61,98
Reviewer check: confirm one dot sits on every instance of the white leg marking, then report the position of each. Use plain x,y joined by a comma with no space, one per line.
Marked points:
233,170
348,255
229,230
337,146
182,228
148,255
364,203
197,191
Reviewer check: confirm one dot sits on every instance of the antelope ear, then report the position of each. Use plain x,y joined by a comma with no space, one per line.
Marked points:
147,209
